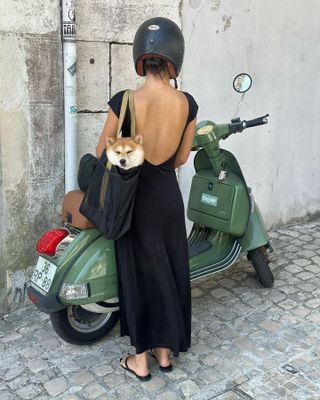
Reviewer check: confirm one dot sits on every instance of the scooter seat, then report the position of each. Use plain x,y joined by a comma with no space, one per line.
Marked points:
198,248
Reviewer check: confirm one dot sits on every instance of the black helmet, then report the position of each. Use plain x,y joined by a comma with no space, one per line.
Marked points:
162,38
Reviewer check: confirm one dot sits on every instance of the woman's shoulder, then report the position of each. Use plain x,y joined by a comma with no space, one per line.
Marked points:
191,99
193,106
115,102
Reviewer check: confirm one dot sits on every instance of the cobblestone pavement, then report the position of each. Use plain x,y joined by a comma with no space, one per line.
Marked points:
248,342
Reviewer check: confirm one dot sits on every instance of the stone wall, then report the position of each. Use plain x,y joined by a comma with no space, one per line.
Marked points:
31,137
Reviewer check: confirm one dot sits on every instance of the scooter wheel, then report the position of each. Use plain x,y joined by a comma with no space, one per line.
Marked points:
260,263
79,326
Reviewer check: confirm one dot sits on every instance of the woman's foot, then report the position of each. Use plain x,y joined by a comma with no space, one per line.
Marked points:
137,365
162,356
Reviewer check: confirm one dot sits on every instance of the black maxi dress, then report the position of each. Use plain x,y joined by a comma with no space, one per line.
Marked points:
152,257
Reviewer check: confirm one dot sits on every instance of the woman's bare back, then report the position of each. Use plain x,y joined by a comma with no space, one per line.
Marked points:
161,116
164,116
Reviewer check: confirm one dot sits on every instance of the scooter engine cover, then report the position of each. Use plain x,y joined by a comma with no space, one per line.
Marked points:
221,205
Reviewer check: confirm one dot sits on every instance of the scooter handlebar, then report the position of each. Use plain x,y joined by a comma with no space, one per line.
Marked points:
238,126
255,122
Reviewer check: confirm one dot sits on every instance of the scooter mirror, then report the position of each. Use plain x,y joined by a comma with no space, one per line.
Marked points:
242,83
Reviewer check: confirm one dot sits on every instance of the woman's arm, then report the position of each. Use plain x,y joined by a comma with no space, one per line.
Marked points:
109,130
186,144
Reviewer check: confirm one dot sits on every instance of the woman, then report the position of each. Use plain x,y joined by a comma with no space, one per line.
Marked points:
152,258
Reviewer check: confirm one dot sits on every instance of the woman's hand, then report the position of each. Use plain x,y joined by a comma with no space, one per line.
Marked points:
109,130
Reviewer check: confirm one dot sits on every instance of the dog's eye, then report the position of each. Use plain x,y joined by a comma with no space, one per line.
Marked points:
130,151
118,152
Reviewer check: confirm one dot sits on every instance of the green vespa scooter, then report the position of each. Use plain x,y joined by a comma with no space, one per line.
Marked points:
75,277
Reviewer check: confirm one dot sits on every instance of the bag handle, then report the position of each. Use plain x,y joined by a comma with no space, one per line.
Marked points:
132,115
123,110
127,97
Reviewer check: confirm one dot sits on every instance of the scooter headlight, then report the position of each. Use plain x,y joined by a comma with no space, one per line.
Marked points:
74,291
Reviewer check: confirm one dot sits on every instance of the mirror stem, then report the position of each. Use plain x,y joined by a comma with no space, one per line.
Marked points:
239,105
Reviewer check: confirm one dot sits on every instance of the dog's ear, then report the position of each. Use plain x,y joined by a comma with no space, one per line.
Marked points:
138,139
110,141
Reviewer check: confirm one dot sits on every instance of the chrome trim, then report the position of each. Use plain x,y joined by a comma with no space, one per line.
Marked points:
63,245
106,306
219,266
112,300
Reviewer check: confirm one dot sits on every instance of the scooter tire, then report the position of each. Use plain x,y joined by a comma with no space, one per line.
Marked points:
260,263
60,321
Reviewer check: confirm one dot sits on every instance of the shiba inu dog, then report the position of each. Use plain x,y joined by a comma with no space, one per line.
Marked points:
125,152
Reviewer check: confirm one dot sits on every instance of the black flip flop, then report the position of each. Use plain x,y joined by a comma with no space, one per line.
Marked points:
168,368
126,368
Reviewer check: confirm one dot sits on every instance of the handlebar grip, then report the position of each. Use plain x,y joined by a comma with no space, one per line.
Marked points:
255,122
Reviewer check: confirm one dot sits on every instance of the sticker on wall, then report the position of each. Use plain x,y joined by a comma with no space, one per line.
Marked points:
72,14
71,4
69,30
73,109
73,69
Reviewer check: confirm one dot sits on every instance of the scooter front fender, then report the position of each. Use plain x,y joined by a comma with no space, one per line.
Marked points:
256,233
96,267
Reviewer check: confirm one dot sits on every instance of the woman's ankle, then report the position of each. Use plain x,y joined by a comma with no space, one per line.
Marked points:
162,355
163,351
141,361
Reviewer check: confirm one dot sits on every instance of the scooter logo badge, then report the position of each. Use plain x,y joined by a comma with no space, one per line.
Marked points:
209,199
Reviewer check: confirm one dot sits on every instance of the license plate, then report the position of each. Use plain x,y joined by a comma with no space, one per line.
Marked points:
43,274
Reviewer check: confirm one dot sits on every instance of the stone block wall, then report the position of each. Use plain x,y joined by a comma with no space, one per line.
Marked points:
105,32
31,137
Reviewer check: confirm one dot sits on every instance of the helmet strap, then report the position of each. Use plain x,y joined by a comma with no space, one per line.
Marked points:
175,83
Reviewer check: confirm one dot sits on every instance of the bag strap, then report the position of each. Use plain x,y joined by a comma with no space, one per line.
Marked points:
122,114
123,110
132,115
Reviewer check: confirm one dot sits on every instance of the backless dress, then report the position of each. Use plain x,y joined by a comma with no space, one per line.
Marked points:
152,257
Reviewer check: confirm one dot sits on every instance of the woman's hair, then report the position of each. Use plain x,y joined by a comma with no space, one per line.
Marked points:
155,66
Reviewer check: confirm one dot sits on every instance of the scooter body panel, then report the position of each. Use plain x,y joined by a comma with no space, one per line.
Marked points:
256,233
65,261
202,161
221,253
90,259
221,244
219,203
97,268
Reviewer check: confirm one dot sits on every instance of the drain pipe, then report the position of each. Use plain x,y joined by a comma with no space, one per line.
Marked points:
70,93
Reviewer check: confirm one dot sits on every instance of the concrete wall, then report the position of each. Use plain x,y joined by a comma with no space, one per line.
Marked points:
31,137
277,43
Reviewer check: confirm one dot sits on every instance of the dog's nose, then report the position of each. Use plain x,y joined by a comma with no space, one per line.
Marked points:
123,161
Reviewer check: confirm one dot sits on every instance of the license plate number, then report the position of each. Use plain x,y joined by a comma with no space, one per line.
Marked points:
43,274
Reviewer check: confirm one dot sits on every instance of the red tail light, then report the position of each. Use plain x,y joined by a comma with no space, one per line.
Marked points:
50,240
33,298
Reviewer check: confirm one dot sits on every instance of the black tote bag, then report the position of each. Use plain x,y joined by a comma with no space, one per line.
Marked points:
109,200
87,165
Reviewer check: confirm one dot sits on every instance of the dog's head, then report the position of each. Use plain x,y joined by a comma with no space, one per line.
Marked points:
125,152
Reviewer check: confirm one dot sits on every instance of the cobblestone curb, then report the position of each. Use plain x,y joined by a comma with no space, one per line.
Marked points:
248,342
